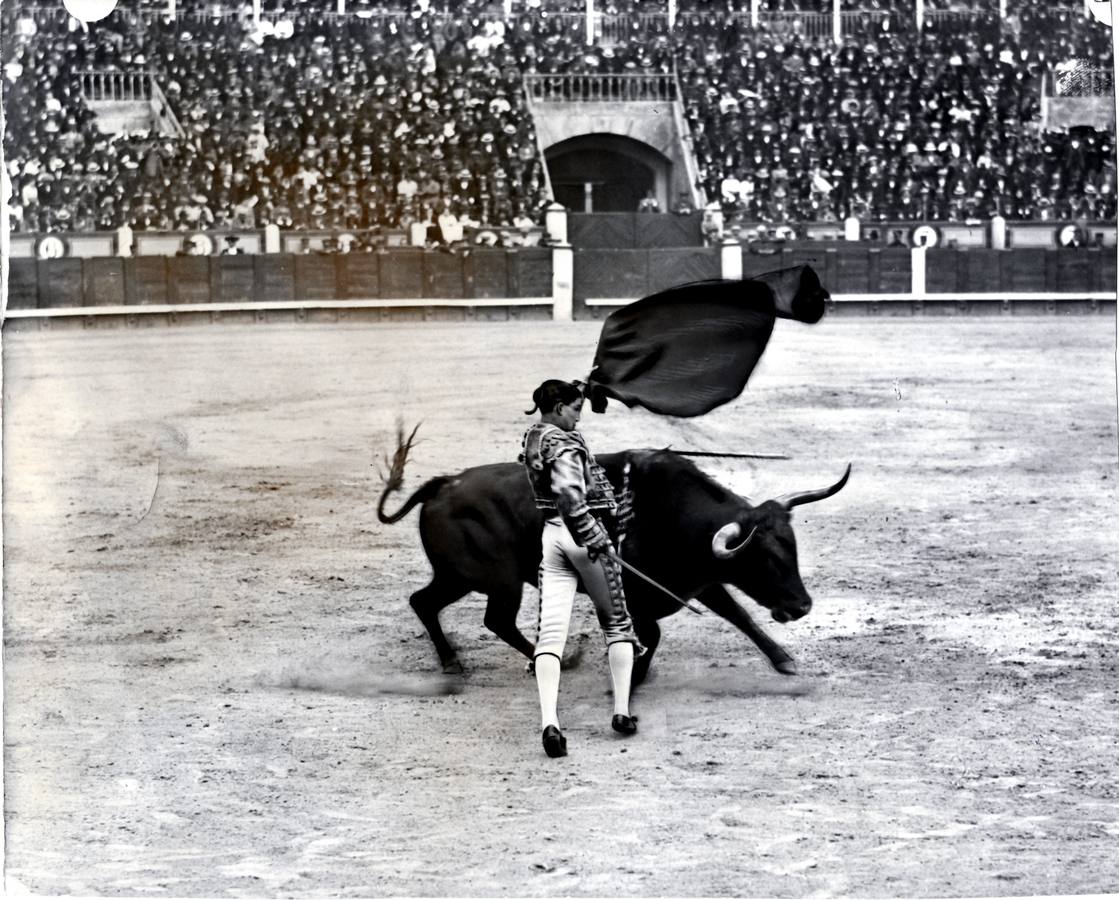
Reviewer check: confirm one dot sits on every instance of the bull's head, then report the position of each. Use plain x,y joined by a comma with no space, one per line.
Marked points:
759,552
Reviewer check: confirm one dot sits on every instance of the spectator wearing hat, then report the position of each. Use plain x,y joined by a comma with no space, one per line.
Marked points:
231,246
406,189
429,190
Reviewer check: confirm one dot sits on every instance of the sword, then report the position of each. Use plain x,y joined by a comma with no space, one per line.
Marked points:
657,585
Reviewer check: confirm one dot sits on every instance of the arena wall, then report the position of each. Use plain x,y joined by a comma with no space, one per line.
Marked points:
514,283
404,274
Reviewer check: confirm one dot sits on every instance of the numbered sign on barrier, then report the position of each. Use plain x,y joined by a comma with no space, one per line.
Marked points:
51,246
924,236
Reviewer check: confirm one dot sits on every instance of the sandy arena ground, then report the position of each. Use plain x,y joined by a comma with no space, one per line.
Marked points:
215,686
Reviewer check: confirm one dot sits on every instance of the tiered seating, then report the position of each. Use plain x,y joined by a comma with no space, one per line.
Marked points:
385,119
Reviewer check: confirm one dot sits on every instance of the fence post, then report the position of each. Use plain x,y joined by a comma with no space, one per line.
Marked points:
917,272
563,283
555,223
271,238
730,259
998,233
124,241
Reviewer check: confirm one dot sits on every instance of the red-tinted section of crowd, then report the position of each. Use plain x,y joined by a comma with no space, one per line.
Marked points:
398,112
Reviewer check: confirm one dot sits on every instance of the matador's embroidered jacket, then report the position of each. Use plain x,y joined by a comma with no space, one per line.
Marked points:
566,478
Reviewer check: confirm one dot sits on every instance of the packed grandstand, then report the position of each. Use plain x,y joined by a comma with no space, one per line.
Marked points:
376,116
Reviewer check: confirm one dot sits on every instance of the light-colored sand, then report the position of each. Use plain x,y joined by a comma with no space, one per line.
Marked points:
214,684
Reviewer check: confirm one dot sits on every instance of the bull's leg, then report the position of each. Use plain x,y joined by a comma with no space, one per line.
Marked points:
502,607
427,603
716,599
649,633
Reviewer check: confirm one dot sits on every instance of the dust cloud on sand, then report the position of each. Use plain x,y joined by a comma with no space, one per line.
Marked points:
329,675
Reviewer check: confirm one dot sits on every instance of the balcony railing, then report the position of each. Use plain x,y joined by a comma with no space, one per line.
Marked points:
608,29
607,88
102,86
1082,81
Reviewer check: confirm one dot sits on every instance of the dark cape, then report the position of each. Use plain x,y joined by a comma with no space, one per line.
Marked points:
684,351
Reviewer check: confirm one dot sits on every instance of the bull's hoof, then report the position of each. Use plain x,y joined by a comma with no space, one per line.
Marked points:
786,667
453,667
555,744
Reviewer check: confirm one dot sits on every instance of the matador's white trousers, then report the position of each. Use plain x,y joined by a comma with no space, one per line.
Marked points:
562,565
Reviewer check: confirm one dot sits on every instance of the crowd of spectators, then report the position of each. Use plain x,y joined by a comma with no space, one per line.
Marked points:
934,125
345,125
402,115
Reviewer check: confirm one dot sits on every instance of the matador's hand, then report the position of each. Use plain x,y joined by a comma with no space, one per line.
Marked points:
600,548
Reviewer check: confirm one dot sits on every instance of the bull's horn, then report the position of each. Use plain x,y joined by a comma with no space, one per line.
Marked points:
724,536
796,499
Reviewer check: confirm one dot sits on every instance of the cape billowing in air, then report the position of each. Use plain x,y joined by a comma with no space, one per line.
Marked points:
684,351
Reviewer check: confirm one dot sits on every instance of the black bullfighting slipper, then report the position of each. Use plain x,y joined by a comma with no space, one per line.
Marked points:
624,724
555,744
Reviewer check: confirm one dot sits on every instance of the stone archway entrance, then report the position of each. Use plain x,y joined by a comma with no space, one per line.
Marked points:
606,173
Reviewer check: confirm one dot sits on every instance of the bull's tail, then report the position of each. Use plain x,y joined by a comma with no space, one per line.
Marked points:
425,493
395,479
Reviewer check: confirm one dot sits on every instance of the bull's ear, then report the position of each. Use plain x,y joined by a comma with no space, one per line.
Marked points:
726,543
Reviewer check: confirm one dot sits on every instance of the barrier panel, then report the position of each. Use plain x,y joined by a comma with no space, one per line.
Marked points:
600,230
487,272
622,274
654,230
1027,270
1024,269
980,270
188,279
894,271
232,279
145,281
443,275
530,273
852,275
23,284
103,281
358,275
60,280
274,277
627,231
1106,274
941,270
315,277
604,274
772,258
670,267
402,273
1077,271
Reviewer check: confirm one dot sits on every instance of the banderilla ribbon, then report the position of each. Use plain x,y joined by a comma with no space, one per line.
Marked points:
729,455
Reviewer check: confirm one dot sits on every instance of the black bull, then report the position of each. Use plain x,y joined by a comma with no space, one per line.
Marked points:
481,531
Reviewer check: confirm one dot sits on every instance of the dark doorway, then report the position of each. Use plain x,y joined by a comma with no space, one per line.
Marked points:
599,180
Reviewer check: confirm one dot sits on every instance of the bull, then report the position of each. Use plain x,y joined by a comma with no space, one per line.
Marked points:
481,532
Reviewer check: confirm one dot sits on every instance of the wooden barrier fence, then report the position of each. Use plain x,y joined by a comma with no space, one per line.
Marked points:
556,282
404,274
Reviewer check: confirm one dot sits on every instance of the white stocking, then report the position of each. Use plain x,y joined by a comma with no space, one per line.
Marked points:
547,684
621,672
